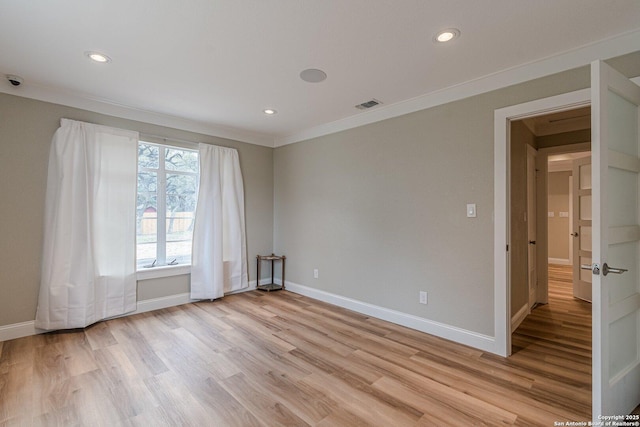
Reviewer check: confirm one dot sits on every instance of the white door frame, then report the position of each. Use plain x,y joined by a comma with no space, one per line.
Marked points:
502,130
501,203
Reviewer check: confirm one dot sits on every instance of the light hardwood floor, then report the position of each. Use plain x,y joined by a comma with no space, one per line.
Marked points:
270,359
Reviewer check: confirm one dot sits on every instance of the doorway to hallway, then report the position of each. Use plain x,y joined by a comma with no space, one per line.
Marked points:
557,337
543,153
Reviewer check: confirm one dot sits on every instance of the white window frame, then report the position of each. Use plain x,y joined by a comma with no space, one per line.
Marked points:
161,269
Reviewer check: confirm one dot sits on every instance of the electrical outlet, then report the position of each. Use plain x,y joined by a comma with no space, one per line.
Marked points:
423,297
315,273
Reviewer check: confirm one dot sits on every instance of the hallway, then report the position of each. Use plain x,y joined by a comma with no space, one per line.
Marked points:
556,338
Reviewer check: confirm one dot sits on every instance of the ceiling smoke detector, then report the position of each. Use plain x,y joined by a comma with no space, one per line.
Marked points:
368,104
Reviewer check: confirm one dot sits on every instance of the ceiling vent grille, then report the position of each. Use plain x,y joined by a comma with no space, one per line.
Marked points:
368,104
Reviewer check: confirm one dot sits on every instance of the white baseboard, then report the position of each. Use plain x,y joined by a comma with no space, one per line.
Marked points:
251,287
452,333
179,299
517,318
18,330
267,281
160,303
462,336
26,329
560,261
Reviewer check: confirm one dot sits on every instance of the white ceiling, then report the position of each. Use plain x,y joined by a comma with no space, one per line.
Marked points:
219,63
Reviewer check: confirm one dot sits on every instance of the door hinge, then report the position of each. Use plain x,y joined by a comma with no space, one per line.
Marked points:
507,248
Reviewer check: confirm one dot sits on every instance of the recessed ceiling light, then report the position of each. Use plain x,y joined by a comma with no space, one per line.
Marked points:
269,111
447,35
313,75
98,57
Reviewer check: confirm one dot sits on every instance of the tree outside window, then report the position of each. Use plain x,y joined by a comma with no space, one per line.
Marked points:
167,195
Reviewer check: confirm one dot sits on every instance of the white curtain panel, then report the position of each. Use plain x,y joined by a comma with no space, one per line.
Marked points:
219,256
88,265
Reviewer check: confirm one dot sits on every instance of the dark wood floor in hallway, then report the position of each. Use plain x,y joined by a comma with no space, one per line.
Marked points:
271,359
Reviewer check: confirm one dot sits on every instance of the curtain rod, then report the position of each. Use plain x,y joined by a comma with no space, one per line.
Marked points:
168,139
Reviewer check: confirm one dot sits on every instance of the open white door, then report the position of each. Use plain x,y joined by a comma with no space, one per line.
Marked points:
616,235
582,227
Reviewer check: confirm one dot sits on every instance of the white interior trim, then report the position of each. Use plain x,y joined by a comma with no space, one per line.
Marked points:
163,271
160,303
517,318
103,106
18,330
463,336
608,48
502,119
459,335
583,56
26,329
559,261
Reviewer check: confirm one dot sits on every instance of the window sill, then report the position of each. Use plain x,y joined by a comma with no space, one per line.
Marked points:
163,271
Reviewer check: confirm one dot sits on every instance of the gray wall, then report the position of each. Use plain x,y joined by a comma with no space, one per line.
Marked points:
380,209
26,129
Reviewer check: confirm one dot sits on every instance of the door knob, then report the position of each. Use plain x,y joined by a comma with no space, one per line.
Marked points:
532,242
574,234
595,268
606,270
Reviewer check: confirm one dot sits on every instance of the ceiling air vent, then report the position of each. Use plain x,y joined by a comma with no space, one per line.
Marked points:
368,104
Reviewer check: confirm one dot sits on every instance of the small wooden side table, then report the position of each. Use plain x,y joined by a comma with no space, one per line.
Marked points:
270,286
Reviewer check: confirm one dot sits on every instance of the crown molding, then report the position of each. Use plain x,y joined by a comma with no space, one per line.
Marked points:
604,49
582,56
103,106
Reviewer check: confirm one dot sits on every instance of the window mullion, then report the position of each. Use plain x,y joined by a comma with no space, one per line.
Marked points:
177,174
162,208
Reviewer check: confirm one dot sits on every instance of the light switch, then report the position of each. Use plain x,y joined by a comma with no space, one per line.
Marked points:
551,214
564,214
471,210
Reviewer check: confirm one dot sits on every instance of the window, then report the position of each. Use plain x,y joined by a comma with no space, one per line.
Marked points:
165,209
